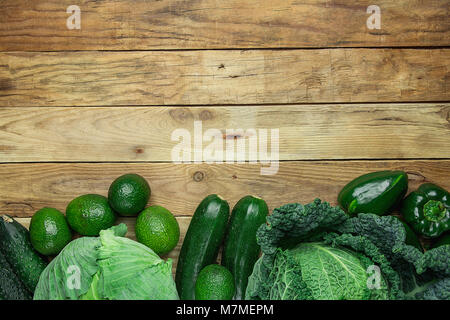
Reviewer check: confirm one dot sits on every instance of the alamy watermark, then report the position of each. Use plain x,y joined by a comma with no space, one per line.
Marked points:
73,281
374,20
228,146
374,278
74,20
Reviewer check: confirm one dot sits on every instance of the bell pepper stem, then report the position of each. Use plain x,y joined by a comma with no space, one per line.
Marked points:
434,210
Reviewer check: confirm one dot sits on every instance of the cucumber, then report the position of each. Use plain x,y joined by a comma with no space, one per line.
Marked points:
201,243
241,251
11,288
16,246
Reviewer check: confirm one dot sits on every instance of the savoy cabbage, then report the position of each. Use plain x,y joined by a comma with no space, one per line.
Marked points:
316,251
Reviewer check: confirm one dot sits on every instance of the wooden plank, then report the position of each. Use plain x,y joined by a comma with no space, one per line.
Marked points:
174,24
25,188
305,131
183,222
223,77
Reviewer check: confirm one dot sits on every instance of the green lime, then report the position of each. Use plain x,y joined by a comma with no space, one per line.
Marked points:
90,213
128,194
158,229
214,282
49,231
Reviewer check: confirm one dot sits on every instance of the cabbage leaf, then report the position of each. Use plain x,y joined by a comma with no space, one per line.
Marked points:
107,267
315,251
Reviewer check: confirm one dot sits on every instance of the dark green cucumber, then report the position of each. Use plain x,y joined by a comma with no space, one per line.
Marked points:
16,246
11,288
201,243
241,250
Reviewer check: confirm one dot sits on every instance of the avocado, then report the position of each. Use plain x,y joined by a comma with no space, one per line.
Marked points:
49,231
128,194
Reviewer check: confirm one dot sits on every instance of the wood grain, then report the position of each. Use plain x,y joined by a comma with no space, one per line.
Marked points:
183,222
173,24
223,77
25,188
306,132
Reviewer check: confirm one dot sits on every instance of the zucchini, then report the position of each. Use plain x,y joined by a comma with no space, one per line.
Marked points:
241,250
201,243
11,288
16,246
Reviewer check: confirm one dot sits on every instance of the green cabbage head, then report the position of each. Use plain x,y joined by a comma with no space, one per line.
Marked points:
315,251
107,267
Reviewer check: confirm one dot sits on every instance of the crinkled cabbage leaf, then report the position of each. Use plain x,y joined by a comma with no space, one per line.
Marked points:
316,251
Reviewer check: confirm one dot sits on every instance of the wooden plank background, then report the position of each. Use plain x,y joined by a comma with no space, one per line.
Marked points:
198,24
78,108
205,77
307,132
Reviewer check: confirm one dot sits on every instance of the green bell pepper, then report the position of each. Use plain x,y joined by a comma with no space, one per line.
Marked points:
376,192
427,210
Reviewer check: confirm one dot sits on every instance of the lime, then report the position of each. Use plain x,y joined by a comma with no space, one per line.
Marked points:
128,194
158,229
214,282
90,213
49,231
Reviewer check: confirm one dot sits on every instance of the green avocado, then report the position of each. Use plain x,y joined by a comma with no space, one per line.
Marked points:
89,214
214,282
49,231
128,194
